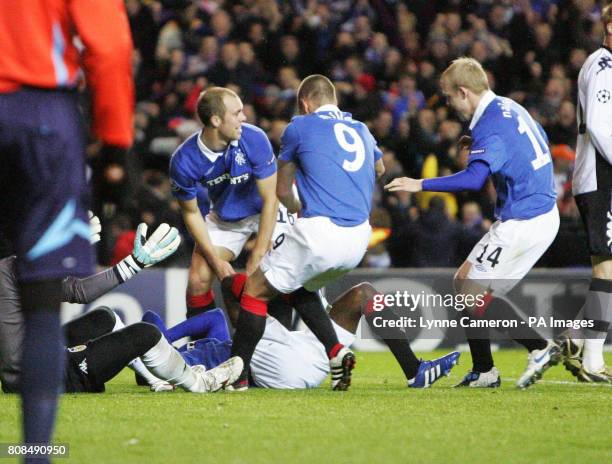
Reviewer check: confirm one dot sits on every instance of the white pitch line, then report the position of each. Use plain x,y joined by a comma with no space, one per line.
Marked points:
565,382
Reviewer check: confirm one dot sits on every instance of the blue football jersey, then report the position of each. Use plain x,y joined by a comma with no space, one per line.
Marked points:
505,136
229,176
335,157
208,351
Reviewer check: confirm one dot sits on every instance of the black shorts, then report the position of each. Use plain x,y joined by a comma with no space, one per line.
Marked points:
79,377
596,212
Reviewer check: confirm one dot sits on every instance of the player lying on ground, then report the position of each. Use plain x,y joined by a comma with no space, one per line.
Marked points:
508,145
286,359
100,346
162,243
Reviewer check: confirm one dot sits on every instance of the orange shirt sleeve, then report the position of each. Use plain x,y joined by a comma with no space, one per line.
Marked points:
103,27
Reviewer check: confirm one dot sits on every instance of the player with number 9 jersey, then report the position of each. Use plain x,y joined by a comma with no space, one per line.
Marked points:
334,160
336,156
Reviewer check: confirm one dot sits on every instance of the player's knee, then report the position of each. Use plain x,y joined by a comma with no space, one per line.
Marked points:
602,267
365,291
461,276
143,336
105,317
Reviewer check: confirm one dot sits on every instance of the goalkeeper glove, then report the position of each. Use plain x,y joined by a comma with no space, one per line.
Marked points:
147,252
94,228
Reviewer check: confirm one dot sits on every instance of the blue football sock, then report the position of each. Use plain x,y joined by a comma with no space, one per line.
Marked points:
211,324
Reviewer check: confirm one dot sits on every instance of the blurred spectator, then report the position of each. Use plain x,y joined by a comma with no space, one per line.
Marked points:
473,227
385,58
564,131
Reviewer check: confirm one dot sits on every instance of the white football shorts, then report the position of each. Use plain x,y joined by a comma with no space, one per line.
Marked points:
509,250
233,235
314,252
288,359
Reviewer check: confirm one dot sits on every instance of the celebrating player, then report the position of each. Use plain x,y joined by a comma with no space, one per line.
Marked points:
592,186
509,145
333,159
234,161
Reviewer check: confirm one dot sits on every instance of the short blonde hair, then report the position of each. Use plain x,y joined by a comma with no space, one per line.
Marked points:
317,88
210,103
465,72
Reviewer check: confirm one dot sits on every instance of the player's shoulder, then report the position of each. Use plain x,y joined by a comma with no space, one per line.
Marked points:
253,136
598,62
493,115
186,150
252,131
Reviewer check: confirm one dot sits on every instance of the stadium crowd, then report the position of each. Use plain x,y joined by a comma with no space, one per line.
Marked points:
385,57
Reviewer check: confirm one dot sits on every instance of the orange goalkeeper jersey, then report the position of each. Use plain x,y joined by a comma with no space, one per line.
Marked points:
45,43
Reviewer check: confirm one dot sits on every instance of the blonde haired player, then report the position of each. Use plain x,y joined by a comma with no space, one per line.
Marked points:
507,144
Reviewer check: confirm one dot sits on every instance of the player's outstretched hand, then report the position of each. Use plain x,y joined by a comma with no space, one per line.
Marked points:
161,244
405,184
94,228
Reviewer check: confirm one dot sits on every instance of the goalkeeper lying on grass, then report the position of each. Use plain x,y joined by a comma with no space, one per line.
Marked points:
94,355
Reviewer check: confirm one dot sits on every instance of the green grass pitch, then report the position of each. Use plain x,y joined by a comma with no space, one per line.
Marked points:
378,421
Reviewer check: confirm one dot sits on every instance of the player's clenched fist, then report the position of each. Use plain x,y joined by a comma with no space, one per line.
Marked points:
405,184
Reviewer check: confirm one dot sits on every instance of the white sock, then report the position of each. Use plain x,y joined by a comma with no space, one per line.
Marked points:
592,354
577,336
138,366
166,363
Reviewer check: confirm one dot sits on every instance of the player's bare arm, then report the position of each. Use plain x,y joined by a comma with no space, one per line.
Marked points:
197,228
284,186
267,221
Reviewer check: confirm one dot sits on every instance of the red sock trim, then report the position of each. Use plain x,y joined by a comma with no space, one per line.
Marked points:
254,305
199,301
334,351
369,307
480,309
238,284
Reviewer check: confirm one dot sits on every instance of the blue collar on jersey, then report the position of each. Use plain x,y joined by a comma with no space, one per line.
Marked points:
487,98
208,153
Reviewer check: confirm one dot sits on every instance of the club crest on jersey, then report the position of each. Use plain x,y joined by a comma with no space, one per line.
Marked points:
76,348
240,159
